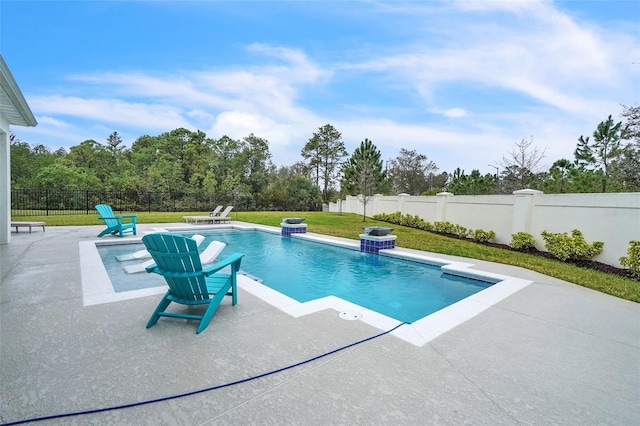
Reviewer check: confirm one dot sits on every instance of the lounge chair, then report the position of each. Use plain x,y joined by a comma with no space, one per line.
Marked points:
206,219
115,224
215,211
177,260
224,216
207,257
144,254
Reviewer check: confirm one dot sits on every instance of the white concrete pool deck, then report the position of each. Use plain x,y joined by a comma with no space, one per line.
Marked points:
97,288
542,351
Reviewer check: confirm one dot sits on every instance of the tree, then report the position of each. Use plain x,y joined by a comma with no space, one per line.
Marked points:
363,173
605,149
91,157
410,172
179,160
473,184
632,126
191,150
627,169
60,176
325,152
521,167
438,182
27,161
291,190
256,163
21,156
560,177
228,166
113,143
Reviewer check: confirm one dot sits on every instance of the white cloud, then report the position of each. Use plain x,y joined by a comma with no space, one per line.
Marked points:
451,112
299,68
237,125
495,71
535,50
253,89
514,6
45,120
117,112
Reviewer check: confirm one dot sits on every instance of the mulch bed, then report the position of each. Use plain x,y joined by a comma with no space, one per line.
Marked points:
587,264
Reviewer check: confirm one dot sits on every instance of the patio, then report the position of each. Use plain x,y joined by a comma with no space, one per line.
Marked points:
551,353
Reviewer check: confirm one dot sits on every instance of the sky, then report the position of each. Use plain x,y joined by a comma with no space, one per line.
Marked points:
458,81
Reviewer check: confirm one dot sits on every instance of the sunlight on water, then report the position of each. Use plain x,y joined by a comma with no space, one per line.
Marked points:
304,271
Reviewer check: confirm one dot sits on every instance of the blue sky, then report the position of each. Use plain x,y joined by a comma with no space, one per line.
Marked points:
458,81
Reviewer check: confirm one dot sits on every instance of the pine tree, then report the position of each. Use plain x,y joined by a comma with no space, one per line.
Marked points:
325,151
363,173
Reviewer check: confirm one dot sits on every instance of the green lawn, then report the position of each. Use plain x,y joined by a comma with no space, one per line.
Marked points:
349,225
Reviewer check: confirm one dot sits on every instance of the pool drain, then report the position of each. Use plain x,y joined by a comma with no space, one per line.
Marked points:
350,315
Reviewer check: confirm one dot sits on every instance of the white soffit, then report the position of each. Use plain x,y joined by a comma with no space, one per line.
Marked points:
13,106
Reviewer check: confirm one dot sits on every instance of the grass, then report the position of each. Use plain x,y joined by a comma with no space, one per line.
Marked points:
349,225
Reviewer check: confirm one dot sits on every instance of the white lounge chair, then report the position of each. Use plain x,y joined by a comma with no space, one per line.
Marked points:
208,256
206,219
224,216
144,254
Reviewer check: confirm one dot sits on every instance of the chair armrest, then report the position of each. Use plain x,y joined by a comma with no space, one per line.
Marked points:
232,259
132,217
118,218
154,268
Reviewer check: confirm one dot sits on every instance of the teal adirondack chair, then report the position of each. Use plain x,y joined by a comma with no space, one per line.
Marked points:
115,224
178,261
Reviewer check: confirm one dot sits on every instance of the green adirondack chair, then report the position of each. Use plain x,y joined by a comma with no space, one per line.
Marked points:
115,224
178,261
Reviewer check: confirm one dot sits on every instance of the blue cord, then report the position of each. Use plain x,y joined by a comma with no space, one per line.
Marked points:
237,382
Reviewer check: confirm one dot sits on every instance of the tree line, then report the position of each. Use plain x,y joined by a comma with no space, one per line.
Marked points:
188,161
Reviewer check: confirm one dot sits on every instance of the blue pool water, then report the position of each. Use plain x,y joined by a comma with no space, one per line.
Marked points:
305,270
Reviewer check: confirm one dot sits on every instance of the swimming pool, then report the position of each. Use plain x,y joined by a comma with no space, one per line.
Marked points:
305,271
97,286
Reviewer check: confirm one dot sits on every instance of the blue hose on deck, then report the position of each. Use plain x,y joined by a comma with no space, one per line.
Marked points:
166,398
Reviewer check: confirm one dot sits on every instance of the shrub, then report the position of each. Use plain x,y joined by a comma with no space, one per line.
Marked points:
460,231
395,218
426,226
574,247
482,236
443,227
633,260
411,221
522,241
417,222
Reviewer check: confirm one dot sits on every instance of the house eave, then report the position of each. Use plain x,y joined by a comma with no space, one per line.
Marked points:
13,106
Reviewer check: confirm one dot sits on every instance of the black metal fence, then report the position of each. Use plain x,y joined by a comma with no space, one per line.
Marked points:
51,202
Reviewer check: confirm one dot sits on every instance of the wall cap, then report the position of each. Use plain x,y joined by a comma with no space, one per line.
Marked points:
527,192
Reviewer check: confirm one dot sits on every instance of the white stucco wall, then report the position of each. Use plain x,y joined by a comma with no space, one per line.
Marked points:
611,218
5,181
487,212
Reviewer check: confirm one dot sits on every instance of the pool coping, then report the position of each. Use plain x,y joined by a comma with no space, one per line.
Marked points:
97,287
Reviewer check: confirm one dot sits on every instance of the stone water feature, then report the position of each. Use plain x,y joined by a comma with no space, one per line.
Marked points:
293,225
376,238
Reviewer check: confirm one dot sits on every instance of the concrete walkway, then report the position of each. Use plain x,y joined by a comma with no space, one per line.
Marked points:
552,353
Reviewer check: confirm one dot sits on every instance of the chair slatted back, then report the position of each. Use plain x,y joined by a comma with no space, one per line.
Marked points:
106,214
226,211
216,211
178,260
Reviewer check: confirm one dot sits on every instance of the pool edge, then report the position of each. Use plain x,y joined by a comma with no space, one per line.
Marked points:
97,289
